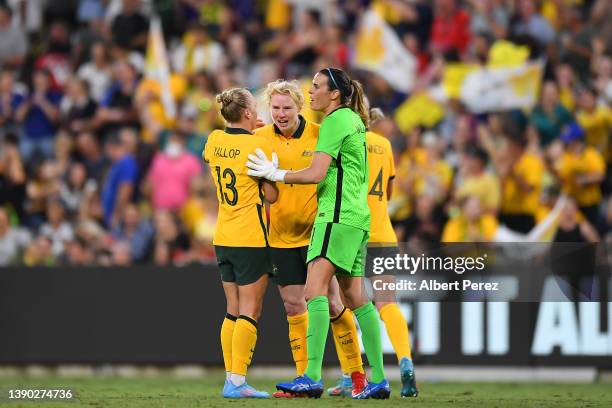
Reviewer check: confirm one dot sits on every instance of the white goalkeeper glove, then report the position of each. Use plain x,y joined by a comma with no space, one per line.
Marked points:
260,166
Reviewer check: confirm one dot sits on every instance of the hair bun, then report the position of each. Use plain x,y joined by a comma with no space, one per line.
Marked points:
226,97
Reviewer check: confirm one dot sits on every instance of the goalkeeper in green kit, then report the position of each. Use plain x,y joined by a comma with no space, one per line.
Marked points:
341,229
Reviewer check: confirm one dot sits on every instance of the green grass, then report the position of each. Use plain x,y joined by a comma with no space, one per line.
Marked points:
172,392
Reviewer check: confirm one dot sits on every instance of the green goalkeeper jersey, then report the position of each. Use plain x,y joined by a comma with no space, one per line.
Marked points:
342,195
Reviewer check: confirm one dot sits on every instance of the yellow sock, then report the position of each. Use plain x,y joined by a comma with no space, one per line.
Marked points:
297,340
397,329
347,344
243,344
227,332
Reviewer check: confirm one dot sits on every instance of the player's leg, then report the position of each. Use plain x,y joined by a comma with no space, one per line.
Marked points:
229,324
297,319
397,330
347,346
355,296
320,272
251,266
290,278
230,289
390,313
326,254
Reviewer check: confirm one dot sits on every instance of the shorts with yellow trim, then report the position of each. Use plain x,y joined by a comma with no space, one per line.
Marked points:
343,245
375,260
243,265
289,265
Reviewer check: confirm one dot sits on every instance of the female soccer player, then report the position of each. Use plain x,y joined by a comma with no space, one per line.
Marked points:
341,228
294,139
240,236
383,244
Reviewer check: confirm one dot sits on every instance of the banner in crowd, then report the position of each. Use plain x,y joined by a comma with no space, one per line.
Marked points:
380,50
497,89
157,67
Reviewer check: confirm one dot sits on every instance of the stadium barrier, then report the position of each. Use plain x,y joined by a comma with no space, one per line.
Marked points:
168,316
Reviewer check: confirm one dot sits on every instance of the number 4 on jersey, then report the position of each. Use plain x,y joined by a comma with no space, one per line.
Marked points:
377,187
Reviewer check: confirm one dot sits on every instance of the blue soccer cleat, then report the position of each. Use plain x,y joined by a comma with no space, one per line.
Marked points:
227,386
409,387
302,385
342,389
379,390
242,391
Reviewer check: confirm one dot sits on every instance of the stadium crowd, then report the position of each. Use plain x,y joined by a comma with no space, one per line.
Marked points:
94,172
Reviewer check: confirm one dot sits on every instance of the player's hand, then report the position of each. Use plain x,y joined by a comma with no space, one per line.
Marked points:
260,166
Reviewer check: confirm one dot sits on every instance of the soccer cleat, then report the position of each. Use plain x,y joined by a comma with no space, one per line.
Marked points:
342,389
302,385
359,383
226,386
375,391
288,395
242,391
409,387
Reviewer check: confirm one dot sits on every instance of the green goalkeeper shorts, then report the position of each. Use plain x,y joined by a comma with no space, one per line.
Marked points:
343,245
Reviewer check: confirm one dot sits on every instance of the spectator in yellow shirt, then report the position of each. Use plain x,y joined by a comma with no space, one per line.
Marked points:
521,175
595,120
581,169
471,225
477,181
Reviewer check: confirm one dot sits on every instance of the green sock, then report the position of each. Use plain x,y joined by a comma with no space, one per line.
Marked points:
316,335
370,336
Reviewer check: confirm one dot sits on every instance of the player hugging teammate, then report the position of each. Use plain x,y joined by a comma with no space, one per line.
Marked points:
316,247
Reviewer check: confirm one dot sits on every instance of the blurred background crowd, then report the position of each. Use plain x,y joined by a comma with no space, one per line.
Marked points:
93,170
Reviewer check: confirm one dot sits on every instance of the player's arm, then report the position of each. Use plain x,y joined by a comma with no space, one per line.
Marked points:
390,188
270,191
313,174
260,166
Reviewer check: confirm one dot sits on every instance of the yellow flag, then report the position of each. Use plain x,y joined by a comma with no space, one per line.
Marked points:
504,54
418,110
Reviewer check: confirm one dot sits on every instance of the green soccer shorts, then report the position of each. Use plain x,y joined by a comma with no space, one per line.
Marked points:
289,265
243,265
343,245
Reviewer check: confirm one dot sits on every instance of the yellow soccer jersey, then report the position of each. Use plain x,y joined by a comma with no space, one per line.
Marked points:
240,222
293,214
382,169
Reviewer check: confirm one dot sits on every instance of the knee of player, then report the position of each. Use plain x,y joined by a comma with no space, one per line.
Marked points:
335,305
251,310
380,304
353,301
294,305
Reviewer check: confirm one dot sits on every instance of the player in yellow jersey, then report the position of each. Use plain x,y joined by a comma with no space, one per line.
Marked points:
383,244
240,237
292,216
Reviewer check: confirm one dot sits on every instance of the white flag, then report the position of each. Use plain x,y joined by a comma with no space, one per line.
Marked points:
157,67
495,89
380,50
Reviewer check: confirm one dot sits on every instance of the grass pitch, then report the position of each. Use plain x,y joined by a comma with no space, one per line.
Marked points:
172,392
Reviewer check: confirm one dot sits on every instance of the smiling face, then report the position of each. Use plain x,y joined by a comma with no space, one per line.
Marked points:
284,113
321,98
